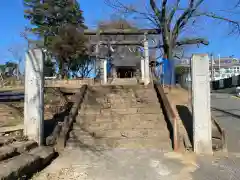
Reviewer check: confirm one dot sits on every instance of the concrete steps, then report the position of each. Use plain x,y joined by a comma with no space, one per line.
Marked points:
119,133
126,143
114,117
108,125
124,81
120,117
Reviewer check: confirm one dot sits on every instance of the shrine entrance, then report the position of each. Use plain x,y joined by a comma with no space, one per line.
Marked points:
125,72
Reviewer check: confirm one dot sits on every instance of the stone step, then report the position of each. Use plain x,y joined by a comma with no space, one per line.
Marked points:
127,102
75,133
141,144
141,104
121,105
125,124
20,167
121,118
121,111
129,143
46,154
119,133
7,152
16,148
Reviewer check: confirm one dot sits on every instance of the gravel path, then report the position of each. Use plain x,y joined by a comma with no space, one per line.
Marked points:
119,164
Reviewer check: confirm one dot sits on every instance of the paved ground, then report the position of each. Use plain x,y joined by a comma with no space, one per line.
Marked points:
120,164
226,109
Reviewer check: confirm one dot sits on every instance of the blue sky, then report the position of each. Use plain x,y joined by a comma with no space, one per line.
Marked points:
13,23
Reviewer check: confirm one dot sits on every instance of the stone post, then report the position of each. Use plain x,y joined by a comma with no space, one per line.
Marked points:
142,69
202,124
34,96
146,53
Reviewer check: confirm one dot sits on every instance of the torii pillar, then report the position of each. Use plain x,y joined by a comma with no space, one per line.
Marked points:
143,69
146,59
105,78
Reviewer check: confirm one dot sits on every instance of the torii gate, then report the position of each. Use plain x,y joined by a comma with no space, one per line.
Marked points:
34,80
145,71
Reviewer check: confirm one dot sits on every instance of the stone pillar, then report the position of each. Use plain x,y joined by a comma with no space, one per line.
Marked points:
114,72
202,124
105,71
142,69
146,53
34,94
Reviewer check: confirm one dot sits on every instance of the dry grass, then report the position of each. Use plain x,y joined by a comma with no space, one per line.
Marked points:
12,113
178,96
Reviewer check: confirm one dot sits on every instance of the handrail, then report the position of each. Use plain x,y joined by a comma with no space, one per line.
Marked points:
169,112
68,120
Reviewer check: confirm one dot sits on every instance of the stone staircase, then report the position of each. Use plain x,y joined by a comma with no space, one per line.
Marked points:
120,117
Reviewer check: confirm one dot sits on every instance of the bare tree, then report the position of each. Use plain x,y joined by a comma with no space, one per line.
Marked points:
173,17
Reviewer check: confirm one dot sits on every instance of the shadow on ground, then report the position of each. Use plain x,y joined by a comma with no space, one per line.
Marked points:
226,112
225,91
50,124
187,119
168,122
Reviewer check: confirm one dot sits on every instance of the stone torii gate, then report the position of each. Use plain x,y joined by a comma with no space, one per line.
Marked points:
145,71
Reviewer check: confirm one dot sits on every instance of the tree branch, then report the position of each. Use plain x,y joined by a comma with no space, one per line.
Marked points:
183,19
191,41
236,24
171,15
156,11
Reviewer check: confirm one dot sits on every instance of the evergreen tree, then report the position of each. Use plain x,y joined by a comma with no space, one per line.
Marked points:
60,24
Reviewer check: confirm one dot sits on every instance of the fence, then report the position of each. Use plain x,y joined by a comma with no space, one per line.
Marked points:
226,83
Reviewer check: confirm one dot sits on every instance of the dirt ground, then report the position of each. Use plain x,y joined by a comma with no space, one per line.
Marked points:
12,112
178,96
180,100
